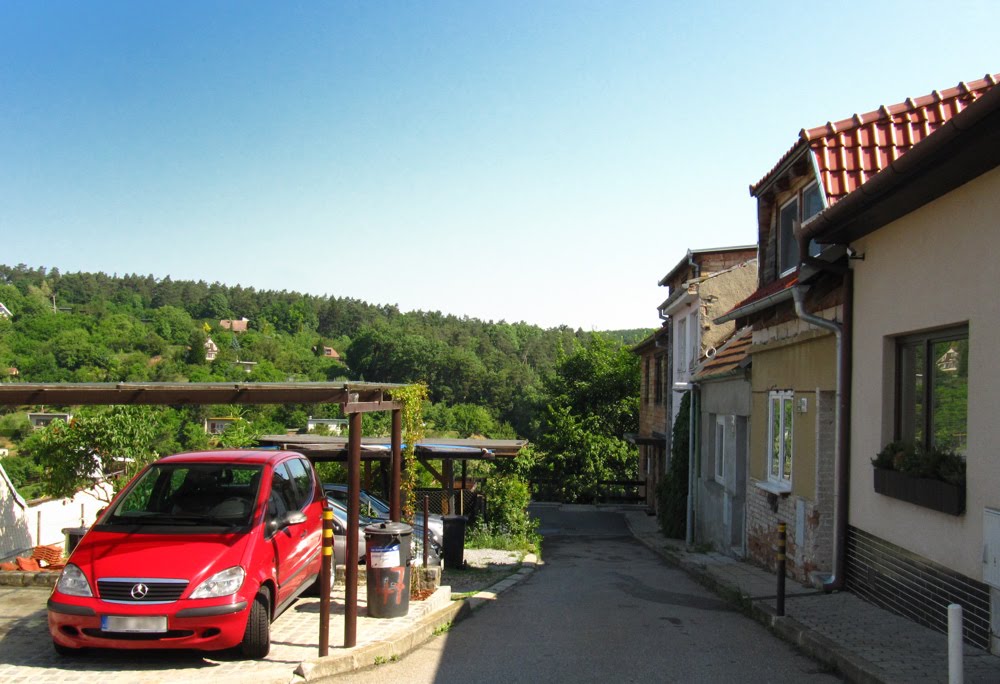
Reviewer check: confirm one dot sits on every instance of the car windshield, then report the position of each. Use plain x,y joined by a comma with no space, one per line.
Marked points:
190,495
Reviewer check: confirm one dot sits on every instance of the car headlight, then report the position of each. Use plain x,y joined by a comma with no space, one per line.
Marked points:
222,583
73,582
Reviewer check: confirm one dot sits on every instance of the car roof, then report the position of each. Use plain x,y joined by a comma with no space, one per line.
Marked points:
249,456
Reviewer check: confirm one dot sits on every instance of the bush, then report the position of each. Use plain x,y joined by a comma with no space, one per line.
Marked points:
672,489
508,526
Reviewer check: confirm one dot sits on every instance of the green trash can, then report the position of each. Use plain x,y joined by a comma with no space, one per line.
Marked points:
387,568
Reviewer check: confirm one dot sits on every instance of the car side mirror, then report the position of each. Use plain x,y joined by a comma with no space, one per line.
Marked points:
285,520
294,518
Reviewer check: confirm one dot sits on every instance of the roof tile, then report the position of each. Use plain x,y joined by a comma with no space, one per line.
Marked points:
850,151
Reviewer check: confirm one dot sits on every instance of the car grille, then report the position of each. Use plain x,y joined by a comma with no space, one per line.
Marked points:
130,590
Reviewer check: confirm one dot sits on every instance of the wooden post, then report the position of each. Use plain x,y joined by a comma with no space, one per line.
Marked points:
449,483
395,507
461,497
353,511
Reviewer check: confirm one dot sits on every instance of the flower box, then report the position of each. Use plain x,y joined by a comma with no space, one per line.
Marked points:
934,494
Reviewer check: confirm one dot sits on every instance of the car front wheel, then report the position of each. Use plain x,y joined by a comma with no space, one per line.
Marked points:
257,637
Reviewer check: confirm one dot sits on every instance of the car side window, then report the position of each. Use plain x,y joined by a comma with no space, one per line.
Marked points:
283,497
302,480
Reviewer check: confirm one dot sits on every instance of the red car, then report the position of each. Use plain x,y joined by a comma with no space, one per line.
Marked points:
201,551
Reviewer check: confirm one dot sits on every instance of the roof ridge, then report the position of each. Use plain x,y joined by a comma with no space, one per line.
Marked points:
918,116
910,104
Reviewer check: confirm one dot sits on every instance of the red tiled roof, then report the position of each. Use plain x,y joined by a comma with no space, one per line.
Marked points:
729,355
850,151
773,287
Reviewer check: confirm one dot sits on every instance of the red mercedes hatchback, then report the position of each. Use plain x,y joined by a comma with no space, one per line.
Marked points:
201,550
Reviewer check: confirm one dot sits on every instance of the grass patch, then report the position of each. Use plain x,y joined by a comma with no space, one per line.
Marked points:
485,536
442,629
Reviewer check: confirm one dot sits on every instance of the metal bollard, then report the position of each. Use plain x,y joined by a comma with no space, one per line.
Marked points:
781,570
324,583
956,670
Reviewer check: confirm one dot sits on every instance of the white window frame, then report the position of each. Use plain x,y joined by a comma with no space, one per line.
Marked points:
680,367
720,449
799,220
783,459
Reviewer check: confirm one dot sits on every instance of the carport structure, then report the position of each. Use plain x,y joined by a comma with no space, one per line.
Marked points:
376,449
354,399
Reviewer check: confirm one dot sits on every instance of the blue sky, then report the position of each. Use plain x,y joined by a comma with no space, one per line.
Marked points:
541,161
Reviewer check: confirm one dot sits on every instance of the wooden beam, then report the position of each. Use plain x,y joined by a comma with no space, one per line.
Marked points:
371,406
426,463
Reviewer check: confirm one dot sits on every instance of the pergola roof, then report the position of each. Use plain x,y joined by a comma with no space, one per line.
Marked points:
332,448
186,393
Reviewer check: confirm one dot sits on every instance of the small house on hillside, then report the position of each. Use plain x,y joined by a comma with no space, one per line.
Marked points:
237,326
211,349
334,426
216,426
331,353
40,420
247,366
4,311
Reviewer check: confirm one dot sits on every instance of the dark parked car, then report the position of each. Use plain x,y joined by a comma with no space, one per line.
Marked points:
378,509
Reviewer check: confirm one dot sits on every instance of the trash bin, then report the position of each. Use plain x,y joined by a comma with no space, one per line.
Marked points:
387,567
454,541
72,535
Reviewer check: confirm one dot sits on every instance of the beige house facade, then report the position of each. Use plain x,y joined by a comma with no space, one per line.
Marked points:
921,248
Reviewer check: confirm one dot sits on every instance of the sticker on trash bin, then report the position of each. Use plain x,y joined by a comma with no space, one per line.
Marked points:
385,556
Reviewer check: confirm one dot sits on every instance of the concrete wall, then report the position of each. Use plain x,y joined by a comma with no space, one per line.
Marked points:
935,267
24,525
720,507
717,296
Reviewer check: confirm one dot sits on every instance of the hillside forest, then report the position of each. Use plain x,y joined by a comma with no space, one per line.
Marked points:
573,394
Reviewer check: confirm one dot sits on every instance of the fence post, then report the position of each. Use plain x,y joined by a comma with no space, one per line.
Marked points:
427,527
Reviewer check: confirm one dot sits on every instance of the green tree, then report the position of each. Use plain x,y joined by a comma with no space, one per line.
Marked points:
104,444
672,489
593,399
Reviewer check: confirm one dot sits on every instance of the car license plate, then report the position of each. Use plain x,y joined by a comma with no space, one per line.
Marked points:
132,623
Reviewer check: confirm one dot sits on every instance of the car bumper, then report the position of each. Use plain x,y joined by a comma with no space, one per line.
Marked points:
77,623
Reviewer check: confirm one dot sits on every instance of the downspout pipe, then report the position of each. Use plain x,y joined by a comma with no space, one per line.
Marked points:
841,411
693,423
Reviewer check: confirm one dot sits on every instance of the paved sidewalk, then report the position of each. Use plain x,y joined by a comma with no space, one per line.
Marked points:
863,642
26,653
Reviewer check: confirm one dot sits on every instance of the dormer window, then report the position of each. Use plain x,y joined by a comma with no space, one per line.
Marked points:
806,203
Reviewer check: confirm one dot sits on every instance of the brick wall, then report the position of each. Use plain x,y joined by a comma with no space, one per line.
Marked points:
809,523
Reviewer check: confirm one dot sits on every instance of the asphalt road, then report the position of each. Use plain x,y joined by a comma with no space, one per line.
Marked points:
603,608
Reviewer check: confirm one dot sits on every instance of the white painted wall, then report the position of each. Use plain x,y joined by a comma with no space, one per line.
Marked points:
937,266
23,526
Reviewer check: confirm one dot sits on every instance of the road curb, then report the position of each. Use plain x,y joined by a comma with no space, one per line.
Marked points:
388,650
